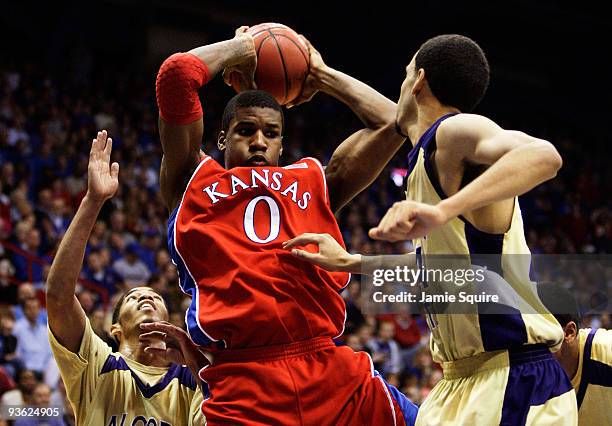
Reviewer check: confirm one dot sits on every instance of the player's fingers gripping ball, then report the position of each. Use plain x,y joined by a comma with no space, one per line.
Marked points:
283,62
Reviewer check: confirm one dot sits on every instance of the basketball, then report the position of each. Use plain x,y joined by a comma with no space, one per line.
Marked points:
283,61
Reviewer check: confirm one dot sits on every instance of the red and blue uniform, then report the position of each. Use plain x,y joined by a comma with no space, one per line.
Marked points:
269,316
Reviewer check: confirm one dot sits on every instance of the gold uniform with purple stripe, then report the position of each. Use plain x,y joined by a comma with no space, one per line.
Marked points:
498,368
593,379
108,389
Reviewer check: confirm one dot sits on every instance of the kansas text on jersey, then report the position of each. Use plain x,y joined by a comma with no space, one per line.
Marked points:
226,238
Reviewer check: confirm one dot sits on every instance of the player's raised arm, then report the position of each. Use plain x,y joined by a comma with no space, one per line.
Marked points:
66,316
357,161
181,126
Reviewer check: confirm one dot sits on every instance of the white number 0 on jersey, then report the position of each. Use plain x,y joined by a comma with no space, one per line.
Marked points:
249,225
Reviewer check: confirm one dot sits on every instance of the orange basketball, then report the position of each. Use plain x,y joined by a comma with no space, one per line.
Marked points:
283,61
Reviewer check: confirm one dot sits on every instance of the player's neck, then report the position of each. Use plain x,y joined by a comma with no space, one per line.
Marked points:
427,114
573,359
134,350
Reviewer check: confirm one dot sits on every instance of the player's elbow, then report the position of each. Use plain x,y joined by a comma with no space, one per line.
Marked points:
550,159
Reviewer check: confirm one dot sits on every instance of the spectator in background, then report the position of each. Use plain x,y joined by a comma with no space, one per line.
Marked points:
6,381
58,216
130,268
354,342
385,351
26,381
97,271
8,285
26,291
33,348
407,334
28,268
6,224
354,317
8,344
150,245
41,397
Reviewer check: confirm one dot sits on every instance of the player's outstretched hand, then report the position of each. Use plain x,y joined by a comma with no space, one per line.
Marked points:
311,85
331,255
179,348
102,176
408,220
243,72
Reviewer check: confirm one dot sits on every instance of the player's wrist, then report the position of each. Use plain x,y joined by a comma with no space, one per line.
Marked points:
448,210
93,200
240,49
324,78
352,263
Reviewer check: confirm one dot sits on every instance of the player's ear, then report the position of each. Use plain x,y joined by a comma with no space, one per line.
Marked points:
419,83
571,331
221,140
115,331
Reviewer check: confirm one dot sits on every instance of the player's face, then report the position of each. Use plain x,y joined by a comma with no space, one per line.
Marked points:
142,304
406,106
254,138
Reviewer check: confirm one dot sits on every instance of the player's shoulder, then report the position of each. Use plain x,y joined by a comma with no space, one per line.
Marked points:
464,127
602,346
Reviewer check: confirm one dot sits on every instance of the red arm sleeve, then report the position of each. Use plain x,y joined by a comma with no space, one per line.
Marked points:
178,81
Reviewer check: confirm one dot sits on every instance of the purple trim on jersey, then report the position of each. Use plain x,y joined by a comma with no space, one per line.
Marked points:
479,242
188,286
593,372
185,281
501,326
408,408
534,378
175,371
430,134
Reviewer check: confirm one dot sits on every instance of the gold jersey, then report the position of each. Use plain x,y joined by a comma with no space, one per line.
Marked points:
593,379
458,336
106,388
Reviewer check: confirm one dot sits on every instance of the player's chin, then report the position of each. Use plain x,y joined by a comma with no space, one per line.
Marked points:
150,316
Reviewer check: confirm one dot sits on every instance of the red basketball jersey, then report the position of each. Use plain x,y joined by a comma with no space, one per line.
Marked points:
225,238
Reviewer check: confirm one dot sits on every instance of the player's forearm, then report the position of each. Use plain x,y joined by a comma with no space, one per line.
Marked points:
372,108
365,265
224,54
66,265
183,74
515,173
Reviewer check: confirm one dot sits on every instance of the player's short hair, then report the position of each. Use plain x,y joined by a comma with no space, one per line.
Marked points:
560,302
456,70
117,308
249,98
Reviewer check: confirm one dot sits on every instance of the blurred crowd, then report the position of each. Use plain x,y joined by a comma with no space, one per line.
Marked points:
46,127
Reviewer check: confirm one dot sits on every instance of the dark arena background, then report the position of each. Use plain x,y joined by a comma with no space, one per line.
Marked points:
68,70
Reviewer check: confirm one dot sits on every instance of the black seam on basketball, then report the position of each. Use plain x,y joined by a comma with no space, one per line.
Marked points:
268,29
259,47
306,58
280,53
